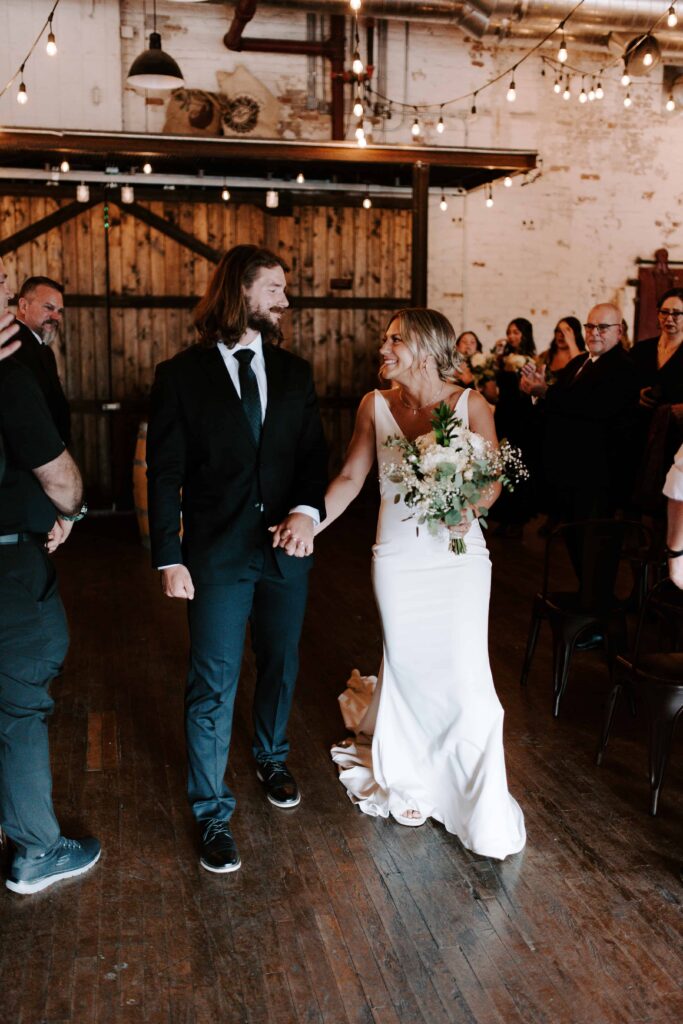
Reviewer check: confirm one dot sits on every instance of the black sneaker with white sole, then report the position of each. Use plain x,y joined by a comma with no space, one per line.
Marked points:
218,848
66,859
280,785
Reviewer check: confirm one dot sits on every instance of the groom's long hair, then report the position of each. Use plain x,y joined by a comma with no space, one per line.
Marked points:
222,314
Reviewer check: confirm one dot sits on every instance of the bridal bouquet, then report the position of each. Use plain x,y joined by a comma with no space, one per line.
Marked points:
445,474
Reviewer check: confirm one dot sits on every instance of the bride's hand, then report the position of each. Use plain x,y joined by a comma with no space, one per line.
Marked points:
461,528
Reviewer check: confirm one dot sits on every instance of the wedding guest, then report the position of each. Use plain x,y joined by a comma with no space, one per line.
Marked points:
467,344
515,421
673,490
235,442
659,360
567,342
41,495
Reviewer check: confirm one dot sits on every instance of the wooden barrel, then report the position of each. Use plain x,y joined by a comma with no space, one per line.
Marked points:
140,484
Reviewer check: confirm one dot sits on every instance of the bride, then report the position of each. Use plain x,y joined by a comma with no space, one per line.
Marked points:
429,741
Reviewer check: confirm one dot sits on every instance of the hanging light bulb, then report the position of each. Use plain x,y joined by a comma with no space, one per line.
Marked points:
670,103
82,193
440,126
362,141
225,195
563,53
512,92
507,181
360,130
355,5
65,167
272,199
367,202
648,59
489,197
22,95
51,47
358,106
599,91
583,96
300,178
567,94
627,100
147,168
672,17
473,108
154,68
415,127
443,205
127,194
557,88
625,78
591,92
357,65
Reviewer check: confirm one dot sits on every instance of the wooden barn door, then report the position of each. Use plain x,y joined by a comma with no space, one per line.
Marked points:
133,274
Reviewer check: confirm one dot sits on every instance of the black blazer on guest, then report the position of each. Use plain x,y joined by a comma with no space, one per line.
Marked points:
589,420
40,359
199,441
667,381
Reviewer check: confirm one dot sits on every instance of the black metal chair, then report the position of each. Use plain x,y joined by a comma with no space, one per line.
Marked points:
596,547
655,678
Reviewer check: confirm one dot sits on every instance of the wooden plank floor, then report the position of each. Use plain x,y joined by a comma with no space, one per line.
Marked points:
336,917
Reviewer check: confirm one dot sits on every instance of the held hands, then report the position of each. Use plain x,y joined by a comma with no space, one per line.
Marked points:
647,399
294,535
57,535
177,582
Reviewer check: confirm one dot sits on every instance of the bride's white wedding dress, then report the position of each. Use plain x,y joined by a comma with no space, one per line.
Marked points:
429,736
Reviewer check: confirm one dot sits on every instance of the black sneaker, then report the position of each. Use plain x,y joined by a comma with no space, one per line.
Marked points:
281,788
218,849
66,859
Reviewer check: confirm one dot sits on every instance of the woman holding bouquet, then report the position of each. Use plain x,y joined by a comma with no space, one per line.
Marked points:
429,743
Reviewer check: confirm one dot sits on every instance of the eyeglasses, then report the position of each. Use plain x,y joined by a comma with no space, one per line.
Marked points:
599,328
675,313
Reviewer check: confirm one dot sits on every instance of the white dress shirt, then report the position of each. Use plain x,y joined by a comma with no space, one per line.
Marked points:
258,365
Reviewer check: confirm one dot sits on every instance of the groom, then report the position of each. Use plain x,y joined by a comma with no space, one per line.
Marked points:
235,442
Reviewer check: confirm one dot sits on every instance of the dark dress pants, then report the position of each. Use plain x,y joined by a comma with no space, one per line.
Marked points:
34,640
218,616
594,554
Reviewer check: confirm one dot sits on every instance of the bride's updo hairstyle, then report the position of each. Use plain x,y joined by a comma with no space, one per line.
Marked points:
427,332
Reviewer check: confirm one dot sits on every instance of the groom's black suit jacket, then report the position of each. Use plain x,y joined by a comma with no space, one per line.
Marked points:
199,441
40,360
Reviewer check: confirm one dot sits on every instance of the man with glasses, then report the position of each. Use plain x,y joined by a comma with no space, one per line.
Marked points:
587,418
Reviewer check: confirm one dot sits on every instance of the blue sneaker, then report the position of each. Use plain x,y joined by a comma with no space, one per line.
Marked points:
67,858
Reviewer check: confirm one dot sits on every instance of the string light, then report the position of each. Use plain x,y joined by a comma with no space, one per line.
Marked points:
625,78
672,17
591,91
583,96
563,53
51,47
300,178
358,106
599,91
357,65
512,92
507,181
355,5
648,58
415,127
82,193
443,205
670,103
473,108
362,141
65,167
567,94
225,195
557,88
147,168
22,95
489,197
127,194
367,202
360,131
272,199
627,100
440,127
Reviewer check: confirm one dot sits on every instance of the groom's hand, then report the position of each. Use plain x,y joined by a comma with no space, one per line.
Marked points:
294,535
177,582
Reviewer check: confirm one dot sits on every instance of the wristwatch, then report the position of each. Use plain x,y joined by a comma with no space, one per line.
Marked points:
77,516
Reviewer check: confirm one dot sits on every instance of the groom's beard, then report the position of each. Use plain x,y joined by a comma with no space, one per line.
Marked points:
268,329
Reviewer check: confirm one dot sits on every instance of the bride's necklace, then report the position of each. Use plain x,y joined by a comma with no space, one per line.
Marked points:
415,409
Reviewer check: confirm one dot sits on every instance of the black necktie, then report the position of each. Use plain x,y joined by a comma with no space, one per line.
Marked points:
251,403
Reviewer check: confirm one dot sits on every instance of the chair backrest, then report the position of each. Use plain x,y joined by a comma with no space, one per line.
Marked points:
596,547
664,603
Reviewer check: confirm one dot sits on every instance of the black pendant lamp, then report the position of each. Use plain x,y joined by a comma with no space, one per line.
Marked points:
154,68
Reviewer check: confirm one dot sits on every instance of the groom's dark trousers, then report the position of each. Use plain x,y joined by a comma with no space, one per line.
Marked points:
233,489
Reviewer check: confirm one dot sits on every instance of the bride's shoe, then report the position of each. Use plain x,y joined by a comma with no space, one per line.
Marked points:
410,817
